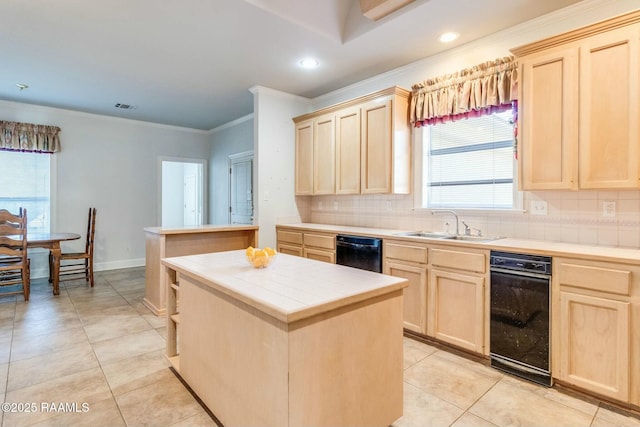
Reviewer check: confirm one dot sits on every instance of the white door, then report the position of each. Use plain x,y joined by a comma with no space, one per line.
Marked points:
191,211
241,189
182,192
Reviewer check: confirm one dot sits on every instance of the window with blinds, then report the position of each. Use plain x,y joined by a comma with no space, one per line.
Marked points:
470,163
25,182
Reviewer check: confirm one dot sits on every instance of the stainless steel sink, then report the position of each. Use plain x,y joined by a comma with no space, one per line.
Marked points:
475,238
448,236
428,234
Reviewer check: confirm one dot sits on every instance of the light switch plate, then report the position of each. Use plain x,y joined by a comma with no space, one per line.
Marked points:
538,207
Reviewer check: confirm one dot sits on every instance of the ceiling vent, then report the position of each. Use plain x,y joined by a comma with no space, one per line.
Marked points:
124,106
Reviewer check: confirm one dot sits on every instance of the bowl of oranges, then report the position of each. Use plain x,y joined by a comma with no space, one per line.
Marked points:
260,258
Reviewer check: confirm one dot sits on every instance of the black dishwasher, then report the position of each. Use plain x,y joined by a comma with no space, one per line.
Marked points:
520,315
360,252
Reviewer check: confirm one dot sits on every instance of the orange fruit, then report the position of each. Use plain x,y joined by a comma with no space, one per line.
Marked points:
260,258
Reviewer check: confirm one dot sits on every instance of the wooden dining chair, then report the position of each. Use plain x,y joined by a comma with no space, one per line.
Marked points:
14,263
78,265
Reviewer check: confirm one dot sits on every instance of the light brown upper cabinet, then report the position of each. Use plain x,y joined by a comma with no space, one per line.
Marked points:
376,144
304,158
361,146
578,108
324,143
548,121
609,77
348,151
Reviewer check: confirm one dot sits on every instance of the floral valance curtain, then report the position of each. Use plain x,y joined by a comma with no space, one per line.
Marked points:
491,86
18,136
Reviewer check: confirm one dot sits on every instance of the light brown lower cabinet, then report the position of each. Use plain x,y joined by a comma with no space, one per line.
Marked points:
320,255
456,309
595,328
314,245
457,294
319,246
289,242
415,295
285,248
447,289
409,261
594,352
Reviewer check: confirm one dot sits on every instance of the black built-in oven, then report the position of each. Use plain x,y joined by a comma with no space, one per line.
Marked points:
520,315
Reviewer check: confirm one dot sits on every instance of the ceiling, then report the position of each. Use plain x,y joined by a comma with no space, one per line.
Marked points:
191,63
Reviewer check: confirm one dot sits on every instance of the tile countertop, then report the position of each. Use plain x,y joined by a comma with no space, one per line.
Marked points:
537,247
291,289
199,229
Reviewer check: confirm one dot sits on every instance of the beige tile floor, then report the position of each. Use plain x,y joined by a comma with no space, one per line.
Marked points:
103,349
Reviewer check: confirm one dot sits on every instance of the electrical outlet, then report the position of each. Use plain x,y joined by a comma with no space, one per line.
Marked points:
538,207
609,209
335,206
388,206
320,205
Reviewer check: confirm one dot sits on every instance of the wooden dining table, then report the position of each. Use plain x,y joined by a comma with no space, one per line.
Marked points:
51,241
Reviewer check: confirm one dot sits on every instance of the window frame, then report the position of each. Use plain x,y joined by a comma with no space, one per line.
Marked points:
53,185
419,136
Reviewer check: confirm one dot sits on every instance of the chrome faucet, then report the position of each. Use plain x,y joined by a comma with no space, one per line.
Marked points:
433,212
467,230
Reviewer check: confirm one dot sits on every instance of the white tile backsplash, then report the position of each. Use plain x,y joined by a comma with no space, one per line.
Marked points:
572,216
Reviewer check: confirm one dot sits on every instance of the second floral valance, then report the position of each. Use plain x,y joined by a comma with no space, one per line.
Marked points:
491,85
18,136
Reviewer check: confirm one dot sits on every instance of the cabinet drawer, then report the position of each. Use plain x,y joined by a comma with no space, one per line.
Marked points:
469,261
320,255
610,280
283,248
405,252
320,241
290,237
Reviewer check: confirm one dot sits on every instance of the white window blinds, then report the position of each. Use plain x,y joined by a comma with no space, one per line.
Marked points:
469,163
24,182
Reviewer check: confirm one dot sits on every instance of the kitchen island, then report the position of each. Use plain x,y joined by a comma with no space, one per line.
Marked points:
301,342
171,242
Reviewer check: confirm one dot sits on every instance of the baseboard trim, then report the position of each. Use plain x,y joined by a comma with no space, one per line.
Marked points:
38,273
155,310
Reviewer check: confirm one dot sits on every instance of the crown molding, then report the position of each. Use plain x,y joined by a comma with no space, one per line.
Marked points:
578,34
394,90
232,123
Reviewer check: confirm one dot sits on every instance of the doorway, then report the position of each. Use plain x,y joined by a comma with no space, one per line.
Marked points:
241,188
182,192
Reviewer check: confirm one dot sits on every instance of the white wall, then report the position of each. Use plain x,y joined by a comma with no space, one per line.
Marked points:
231,138
274,159
111,164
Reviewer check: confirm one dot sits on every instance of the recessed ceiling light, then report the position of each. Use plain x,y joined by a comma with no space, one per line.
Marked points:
309,63
448,37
